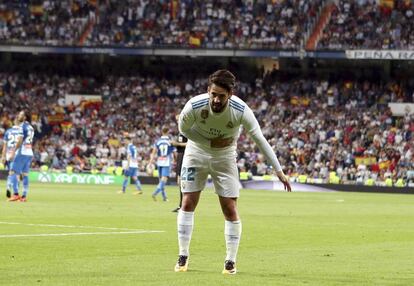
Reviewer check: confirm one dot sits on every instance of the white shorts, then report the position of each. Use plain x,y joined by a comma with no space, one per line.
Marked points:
223,170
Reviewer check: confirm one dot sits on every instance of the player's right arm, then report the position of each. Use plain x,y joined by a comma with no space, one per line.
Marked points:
178,144
152,156
150,165
186,125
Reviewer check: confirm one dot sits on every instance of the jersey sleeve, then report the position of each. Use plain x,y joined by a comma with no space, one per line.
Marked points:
186,125
252,127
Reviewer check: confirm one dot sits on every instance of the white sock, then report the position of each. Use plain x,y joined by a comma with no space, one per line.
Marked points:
232,233
185,223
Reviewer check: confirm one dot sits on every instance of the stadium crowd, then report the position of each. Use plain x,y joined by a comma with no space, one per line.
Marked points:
366,24
186,23
265,24
316,127
208,24
44,22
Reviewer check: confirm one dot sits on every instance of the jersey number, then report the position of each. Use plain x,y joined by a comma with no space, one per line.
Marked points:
29,138
12,140
163,150
187,174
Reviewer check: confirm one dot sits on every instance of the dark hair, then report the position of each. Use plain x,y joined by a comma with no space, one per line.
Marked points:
224,79
27,115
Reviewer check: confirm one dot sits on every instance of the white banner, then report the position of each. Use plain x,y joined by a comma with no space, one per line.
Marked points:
380,54
401,109
77,98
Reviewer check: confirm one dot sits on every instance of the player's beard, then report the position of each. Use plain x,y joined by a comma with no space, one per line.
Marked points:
217,107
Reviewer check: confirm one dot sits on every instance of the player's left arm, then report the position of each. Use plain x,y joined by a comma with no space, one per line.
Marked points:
175,154
252,127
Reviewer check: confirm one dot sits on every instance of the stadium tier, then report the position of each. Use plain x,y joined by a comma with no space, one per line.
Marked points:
206,24
368,25
44,22
289,24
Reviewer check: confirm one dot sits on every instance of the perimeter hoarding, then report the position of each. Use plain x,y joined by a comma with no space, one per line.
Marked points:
96,179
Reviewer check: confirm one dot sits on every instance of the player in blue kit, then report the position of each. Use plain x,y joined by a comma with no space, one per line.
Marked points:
9,147
164,151
22,158
132,168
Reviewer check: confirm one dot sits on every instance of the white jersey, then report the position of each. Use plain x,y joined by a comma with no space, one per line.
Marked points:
200,124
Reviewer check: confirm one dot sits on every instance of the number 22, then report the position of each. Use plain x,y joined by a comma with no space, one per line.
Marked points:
187,174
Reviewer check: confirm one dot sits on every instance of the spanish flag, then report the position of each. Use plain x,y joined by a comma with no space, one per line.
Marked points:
174,5
36,10
387,3
194,41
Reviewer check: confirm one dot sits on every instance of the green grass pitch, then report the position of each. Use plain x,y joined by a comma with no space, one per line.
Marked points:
288,238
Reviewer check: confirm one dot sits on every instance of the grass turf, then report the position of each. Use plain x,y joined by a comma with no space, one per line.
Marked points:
288,239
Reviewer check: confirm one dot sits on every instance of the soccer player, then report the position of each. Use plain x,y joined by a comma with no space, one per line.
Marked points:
10,140
180,146
22,158
164,151
211,122
132,168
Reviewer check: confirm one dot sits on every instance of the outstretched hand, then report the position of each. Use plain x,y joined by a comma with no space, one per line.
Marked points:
284,180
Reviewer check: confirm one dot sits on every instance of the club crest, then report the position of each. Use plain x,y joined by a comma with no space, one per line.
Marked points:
204,113
230,125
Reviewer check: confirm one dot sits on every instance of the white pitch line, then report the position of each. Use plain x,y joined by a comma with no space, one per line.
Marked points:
78,233
69,226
